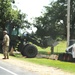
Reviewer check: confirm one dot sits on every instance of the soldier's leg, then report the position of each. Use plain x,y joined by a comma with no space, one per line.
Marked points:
4,53
7,55
7,52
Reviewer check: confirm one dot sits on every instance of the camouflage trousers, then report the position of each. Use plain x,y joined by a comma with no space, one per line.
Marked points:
5,52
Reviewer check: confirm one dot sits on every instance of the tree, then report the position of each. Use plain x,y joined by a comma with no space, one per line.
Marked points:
53,21
9,16
5,7
72,18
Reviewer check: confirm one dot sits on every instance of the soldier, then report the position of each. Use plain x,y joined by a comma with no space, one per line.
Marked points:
5,44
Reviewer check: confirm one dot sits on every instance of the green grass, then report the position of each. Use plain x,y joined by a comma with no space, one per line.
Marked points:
60,48
66,66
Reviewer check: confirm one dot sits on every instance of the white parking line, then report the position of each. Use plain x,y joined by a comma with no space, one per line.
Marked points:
8,71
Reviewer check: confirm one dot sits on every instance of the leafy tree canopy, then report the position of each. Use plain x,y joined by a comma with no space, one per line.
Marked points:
53,22
10,16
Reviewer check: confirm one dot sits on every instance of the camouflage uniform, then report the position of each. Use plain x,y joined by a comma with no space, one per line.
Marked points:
6,45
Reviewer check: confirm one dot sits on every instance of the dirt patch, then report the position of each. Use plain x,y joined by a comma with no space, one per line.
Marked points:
41,70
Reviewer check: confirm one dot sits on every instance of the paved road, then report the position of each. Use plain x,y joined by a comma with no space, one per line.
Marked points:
8,69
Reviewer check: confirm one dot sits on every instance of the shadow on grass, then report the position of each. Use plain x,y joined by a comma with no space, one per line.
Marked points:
17,55
42,52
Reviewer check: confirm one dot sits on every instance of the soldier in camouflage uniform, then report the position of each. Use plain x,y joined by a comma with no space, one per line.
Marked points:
5,44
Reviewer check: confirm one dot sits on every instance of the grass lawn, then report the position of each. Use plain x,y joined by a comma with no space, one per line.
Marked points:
60,48
66,66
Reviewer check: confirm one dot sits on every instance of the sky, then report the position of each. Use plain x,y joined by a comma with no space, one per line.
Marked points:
32,8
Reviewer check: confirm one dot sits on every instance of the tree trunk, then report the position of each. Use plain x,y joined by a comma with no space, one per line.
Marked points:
52,49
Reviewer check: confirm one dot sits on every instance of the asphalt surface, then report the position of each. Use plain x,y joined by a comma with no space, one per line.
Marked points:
8,69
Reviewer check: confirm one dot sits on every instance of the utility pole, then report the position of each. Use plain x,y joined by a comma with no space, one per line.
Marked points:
68,22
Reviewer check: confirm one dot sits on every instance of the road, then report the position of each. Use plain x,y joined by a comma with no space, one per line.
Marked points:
8,69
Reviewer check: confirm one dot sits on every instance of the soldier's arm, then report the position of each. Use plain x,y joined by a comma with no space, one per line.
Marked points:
4,41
